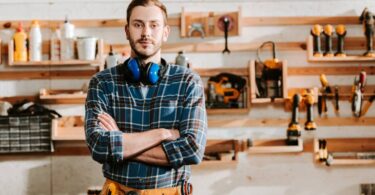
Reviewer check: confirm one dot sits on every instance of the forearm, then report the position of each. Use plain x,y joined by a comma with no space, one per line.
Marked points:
154,156
136,143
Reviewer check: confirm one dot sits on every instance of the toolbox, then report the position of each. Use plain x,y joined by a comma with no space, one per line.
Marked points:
25,134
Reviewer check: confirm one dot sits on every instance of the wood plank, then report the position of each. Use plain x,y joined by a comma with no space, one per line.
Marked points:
300,20
45,74
208,72
16,99
176,21
330,70
231,111
274,146
283,123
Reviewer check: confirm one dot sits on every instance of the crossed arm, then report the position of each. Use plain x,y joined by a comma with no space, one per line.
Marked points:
145,146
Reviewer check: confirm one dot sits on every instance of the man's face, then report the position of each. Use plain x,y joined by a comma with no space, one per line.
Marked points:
146,31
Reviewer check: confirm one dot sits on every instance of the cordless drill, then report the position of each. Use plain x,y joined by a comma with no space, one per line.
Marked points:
309,102
294,129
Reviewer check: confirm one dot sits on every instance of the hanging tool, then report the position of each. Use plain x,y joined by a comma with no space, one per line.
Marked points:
322,97
196,27
337,98
357,97
224,90
367,106
328,32
269,74
294,129
323,152
225,23
316,31
309,102
367,19
341,32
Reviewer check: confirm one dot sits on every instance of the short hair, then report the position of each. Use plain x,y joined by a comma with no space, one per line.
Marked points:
135,3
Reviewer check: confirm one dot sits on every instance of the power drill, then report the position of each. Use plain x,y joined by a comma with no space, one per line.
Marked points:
294,129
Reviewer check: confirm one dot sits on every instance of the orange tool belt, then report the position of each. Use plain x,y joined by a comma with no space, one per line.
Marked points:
113,188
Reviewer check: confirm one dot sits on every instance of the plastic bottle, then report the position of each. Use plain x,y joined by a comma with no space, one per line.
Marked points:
181,59
55,46
35,42
20,48
67,41
111,59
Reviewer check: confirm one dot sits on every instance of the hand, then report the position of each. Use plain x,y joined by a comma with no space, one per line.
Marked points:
107,122
172,134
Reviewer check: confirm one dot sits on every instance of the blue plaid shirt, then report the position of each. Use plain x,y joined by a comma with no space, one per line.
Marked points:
176,102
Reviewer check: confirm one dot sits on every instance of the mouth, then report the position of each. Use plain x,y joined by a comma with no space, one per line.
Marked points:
145,42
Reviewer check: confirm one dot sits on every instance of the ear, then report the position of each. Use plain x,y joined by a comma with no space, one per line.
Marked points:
166,31
126,28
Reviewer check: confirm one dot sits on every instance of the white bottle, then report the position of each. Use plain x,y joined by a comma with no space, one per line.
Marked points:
67,41
111,60
55,46
35,42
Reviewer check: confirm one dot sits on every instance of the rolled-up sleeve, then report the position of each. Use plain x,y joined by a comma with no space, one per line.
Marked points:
104,145
189,148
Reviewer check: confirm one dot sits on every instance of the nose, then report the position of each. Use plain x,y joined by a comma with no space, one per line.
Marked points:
146,31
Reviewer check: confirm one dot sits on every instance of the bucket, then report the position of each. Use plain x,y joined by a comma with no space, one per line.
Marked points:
86,48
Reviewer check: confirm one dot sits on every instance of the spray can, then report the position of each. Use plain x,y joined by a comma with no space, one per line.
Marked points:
67,41
20,48
55,46
35,42
111,60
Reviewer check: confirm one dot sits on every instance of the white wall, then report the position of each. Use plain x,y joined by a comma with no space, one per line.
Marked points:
258,174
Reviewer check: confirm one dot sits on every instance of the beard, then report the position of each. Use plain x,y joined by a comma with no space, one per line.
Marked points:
145,53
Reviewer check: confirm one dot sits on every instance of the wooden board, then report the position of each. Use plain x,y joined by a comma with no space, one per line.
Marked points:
48,74
209,22
331,70
176,21
274,146
62,96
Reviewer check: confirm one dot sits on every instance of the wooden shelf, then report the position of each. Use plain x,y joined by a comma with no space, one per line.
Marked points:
349,147
229,122
349,43
99,61
274,146
176,21
48,74
253,94
330,70
1,53
62,96
228,111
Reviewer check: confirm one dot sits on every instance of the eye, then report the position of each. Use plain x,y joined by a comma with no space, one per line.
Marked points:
154,25
137,25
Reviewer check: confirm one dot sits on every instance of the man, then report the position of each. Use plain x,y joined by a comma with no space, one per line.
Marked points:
145,119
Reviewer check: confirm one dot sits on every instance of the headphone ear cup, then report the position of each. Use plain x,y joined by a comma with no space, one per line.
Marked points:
134,70
152,73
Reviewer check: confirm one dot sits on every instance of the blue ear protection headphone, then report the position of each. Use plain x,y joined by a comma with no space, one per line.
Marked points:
148,74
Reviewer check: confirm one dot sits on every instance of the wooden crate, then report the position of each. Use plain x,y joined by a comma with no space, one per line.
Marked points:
346,145
253,87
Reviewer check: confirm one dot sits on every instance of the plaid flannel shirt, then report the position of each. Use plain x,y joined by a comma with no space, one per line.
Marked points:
176,102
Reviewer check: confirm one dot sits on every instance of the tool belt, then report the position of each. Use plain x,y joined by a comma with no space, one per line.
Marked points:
113,188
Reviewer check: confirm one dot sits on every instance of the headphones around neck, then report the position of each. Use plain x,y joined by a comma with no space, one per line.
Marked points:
148,74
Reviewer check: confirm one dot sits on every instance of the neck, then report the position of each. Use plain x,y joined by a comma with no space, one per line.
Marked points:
156,58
